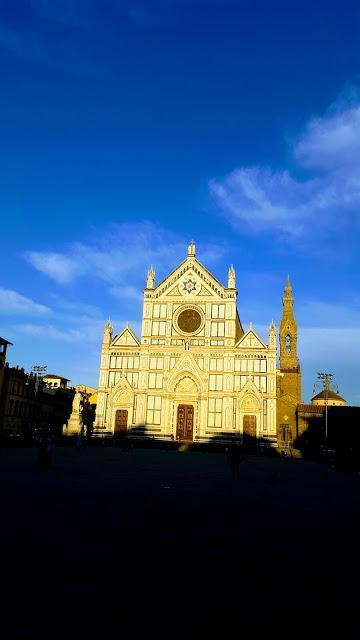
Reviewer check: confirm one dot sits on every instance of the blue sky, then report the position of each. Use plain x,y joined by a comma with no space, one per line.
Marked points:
128,128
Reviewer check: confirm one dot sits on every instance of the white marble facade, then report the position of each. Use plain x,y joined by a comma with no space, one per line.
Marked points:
195,374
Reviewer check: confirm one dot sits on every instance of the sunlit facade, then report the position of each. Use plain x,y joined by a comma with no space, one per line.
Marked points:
194,375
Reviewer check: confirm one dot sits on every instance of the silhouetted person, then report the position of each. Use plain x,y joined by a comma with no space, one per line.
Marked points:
234,453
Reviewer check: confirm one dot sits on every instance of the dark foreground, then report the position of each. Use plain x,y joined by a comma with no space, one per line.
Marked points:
108,543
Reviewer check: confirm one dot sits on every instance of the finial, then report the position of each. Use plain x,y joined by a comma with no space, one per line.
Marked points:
250,326
231,278
108,330
191,249
150,282
108,327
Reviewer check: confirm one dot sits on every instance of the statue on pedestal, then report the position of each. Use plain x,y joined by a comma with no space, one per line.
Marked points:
75,424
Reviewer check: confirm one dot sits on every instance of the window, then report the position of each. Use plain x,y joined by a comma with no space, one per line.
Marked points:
124,362
155,380
239,382
159,311
265,416
158,328
256,366
133,378
218,329
288,344
263,366
215,412
153,413
218,311
215,382
216,364
134,410
156,363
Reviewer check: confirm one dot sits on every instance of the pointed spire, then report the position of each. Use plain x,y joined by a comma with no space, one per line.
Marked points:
288,297
191,249
108,331
108,327
150,282
231,278
272,335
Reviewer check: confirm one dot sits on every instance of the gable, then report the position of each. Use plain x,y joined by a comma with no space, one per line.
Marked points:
250,340
188,281
125,338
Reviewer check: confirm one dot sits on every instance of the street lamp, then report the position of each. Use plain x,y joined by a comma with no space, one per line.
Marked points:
39,371
326,379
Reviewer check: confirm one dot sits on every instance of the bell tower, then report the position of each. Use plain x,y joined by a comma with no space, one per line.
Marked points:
288,331
289,380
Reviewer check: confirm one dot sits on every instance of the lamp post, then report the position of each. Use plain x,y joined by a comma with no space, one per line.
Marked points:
39,371
326,379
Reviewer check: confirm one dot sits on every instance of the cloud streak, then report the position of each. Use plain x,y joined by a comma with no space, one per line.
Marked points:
258,199
120,257
13,303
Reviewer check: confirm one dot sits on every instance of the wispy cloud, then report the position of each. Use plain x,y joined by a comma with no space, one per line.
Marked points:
56,266
13,303
120,257
258,199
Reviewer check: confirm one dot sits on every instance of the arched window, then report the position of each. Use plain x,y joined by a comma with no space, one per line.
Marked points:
288,344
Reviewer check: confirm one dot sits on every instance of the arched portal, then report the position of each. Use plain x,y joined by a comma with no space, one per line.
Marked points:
250,418
185,407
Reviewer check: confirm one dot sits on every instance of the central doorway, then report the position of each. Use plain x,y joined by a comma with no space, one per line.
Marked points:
121,421
185,422
249,429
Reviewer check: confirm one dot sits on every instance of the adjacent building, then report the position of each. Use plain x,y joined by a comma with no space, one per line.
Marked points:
3,348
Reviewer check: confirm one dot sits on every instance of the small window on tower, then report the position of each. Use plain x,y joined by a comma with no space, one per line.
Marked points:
288,344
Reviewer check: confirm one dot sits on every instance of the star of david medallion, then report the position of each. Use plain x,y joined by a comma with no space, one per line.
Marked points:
189,286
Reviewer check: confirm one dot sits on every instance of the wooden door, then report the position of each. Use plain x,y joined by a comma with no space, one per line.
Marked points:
249,428
185,422
121,420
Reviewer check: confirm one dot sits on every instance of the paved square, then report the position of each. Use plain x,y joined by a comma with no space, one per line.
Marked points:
112,539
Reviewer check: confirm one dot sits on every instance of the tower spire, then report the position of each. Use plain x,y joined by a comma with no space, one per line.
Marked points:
288,331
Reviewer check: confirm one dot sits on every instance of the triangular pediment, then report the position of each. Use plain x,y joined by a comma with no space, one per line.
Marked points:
250,340
126,338
189,280
174,292
122,391
187,364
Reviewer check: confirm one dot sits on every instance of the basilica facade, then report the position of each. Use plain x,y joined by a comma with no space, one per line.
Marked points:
195,374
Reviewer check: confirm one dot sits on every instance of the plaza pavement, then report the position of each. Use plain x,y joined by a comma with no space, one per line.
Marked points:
108,542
